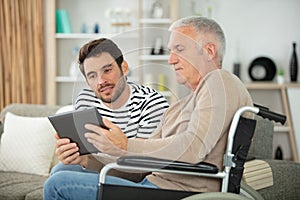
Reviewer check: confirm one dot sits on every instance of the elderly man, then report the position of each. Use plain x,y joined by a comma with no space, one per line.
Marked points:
193,129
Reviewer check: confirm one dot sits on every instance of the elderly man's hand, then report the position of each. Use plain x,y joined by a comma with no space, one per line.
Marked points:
112,142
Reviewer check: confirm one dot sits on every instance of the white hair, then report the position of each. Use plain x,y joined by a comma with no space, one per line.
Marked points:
204,25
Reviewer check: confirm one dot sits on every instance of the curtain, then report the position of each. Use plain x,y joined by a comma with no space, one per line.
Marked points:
21,52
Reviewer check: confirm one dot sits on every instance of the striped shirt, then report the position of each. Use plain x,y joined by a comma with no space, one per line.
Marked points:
139,117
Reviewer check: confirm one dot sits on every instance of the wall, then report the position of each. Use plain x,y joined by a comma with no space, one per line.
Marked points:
253,28
256,28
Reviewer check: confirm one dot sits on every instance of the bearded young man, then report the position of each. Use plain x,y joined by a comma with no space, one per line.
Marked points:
135,109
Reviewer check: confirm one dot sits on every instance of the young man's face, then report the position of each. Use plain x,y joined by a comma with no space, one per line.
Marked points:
105,77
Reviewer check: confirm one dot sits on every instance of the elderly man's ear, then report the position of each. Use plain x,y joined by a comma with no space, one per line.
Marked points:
210,49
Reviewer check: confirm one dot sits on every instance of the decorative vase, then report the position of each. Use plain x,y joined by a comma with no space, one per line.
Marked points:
157,10
294,65
74,66
236,69
278,153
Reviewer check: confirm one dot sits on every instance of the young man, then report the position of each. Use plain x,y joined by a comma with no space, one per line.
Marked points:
194,129
135,109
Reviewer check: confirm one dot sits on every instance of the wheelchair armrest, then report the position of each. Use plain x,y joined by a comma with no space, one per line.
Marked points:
158,163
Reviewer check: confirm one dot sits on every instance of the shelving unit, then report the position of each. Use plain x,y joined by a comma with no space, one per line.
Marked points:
285,107
60,85
154,66
80,35
154,21
154,57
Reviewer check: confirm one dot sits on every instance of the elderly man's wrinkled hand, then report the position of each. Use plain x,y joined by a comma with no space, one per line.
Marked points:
112,141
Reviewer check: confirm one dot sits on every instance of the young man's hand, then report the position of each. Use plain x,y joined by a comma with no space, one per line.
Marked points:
67,152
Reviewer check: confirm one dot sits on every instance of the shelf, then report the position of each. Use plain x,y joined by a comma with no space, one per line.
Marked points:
269,85
80,35
281,129
154,57
155,21
282,90
68,79
60,46
128,34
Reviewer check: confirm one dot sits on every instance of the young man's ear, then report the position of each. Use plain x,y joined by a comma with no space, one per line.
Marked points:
124,67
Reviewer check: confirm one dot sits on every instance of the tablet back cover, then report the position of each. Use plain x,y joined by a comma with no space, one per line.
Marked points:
71,125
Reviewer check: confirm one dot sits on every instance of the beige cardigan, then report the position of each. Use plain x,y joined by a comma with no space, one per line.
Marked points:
195,129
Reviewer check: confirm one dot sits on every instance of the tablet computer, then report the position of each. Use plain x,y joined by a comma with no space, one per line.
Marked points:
71,125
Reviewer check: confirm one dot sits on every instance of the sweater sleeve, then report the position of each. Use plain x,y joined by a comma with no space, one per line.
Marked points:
190,145
190,134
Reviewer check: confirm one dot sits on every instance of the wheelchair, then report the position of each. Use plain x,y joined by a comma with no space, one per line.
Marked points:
238,143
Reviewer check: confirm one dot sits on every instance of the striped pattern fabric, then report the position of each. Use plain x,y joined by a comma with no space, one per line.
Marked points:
138,118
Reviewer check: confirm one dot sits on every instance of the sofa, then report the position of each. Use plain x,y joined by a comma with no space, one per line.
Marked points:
27,185
19,185
286,182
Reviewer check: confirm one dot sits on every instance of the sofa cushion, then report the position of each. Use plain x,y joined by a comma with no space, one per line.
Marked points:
17,186
27,144
35,195
286,181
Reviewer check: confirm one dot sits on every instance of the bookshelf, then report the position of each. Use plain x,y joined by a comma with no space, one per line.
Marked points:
154,68
280,103
60,86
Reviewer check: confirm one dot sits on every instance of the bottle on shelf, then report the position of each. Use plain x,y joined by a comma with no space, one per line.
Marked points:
236,69
278,153
96,28
237,63
162,85
84,28
157,10
74,68
294,65
158,47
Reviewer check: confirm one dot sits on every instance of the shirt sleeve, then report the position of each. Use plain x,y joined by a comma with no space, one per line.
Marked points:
152,112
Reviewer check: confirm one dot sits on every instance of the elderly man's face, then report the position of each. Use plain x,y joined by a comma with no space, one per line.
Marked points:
186,56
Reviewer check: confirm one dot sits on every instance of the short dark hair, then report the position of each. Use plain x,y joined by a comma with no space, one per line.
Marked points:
96,47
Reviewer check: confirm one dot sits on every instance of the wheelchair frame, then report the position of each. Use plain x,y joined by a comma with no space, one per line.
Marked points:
144,164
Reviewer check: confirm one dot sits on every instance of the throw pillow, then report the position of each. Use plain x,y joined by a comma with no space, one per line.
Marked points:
63,109
67,108
27,144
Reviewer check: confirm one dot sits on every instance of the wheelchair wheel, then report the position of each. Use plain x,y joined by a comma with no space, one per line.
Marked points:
216,196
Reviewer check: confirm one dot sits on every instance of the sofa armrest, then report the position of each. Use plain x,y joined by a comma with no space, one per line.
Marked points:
30,110
286,182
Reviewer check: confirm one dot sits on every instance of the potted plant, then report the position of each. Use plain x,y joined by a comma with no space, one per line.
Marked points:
280,76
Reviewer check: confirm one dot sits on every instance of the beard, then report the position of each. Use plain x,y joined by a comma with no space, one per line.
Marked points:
118,90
